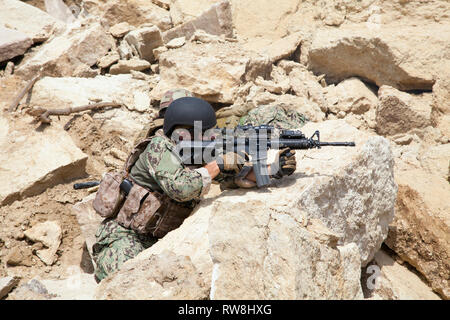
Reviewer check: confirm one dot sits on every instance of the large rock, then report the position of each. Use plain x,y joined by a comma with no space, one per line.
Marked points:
33,160
262,18
400,112
144,40
393,281
78,46
48,233
420,232
211,71
35,23
406,58
135,12
217,20
53,93
304,237
13,43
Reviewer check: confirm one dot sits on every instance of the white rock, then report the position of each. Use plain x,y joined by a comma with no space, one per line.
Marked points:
88,220
39,25
59,10
255,244
120,29
13,43
351,95
406,58
109,59
54,92
125,66
63,54
144,40
176,43
49,233
211,71
134,12
78,286
217,20
48,157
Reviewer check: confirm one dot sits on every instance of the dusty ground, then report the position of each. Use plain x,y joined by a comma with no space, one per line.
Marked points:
53,204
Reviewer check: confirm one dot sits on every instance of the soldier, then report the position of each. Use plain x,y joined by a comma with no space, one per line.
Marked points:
158,122
179,188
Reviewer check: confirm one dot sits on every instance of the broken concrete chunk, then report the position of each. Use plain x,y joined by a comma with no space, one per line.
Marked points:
13,43
216,21
144,40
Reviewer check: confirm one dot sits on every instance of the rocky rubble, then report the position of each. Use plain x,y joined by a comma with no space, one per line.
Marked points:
371,71
331,214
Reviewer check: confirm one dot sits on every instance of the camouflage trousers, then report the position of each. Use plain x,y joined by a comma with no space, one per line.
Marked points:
115,245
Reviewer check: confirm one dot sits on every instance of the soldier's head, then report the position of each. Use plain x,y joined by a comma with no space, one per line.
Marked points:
185,113
171,96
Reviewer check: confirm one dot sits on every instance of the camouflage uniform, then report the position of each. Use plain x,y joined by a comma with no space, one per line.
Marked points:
275,115
159,169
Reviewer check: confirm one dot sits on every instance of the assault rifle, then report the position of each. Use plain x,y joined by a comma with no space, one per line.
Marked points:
254,141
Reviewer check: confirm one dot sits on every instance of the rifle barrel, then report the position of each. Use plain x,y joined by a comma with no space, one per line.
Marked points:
337,144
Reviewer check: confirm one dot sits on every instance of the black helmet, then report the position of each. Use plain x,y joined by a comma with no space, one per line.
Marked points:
184,111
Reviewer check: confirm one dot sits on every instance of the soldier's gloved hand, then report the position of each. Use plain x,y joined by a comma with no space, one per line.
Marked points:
230,161
284,165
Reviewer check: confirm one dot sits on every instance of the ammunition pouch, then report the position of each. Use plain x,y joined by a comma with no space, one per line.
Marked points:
136,207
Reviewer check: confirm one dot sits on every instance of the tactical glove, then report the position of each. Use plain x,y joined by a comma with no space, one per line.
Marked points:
284,165
230,161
